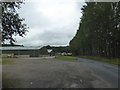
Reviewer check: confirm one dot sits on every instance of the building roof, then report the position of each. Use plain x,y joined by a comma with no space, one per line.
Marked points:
20,48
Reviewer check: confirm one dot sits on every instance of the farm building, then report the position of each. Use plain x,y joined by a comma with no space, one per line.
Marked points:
22,51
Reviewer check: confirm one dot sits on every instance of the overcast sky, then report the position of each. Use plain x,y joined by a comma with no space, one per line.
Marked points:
51,22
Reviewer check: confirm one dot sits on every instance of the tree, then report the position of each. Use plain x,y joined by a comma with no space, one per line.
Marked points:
99,30
12,23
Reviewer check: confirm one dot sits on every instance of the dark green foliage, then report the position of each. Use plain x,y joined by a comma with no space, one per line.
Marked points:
48,47
12,23
99,30
59,49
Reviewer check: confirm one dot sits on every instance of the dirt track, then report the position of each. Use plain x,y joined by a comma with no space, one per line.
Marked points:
50,73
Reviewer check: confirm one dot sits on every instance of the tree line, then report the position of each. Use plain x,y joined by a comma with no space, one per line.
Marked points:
55,49
59,49
99,30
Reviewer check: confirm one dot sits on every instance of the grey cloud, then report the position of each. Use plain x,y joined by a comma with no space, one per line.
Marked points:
49,31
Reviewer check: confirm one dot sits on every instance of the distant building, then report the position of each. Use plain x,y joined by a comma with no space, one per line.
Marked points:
31,51
17,51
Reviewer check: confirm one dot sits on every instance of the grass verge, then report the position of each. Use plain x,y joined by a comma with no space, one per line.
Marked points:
6,61
65,58
115,61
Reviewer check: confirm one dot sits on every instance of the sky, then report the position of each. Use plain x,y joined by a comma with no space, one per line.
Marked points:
50,22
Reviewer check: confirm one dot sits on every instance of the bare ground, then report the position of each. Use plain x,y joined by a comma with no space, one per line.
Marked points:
50,73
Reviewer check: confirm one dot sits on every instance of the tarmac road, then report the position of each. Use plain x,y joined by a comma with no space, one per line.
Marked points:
106,71
48,72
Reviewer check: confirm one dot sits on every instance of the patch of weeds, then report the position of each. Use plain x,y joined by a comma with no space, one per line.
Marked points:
65,58
7,61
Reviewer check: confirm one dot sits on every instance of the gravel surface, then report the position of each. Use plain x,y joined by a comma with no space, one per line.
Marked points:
46,72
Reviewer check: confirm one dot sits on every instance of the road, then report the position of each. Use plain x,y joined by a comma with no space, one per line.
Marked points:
48,72
0,73
0,76
106,71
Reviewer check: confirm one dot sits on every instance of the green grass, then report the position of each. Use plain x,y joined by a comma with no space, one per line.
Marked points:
115,61
6,61
65,58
